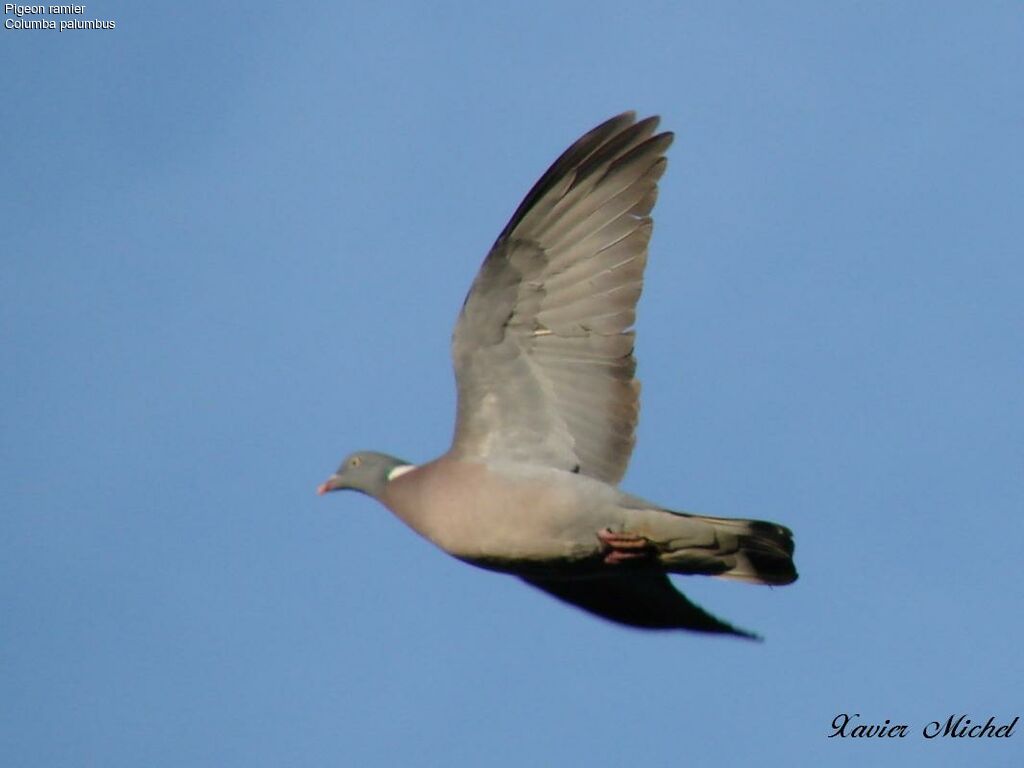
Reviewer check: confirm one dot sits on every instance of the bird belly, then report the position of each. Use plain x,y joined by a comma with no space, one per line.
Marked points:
515,521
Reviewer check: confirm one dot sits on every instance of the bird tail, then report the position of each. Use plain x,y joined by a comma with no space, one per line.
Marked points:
753,551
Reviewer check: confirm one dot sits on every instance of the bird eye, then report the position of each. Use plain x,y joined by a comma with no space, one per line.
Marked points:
355,461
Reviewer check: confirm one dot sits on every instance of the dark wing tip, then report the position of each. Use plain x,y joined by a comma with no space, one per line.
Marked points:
643,599
578,153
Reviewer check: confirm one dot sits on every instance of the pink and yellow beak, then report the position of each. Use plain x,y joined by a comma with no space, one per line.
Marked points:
331,484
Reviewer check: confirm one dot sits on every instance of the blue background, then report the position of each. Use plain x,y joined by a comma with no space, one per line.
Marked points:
235,238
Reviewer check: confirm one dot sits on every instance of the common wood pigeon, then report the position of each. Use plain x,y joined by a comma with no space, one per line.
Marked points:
548,406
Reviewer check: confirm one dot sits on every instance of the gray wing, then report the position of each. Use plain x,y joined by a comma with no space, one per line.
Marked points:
543,349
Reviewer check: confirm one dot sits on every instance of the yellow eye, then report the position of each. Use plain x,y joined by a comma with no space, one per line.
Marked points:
355,461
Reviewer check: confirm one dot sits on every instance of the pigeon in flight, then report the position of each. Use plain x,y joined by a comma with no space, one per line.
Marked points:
548,407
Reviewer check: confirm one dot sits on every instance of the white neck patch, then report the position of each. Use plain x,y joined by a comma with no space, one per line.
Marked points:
400,470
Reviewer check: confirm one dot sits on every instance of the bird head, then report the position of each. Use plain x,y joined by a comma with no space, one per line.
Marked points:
364,471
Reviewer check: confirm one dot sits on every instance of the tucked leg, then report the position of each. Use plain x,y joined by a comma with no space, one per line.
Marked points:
623,546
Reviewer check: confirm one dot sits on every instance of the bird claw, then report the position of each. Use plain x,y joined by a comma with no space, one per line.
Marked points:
622,547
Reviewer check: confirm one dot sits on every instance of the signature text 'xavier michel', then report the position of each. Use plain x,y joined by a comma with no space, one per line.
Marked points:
954,727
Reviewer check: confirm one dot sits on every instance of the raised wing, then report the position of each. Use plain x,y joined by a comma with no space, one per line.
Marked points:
543,349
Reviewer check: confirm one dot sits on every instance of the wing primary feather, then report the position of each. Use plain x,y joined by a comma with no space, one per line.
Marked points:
582,148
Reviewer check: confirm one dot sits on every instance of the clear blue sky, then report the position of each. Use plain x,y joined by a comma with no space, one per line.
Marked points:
235,238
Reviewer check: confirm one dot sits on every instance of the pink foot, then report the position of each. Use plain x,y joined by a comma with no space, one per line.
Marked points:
623,546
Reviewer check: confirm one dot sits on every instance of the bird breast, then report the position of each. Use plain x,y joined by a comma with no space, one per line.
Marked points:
500,517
